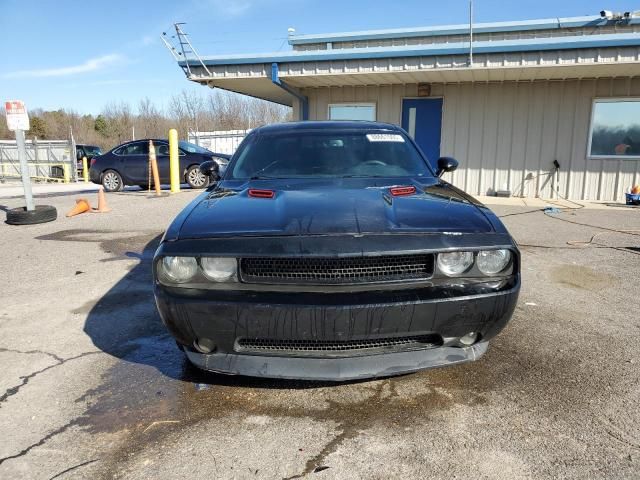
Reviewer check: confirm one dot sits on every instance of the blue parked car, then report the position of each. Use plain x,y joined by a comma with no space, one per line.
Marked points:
128,164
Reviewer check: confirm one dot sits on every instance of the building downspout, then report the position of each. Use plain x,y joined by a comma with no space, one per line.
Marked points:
304,101
471,33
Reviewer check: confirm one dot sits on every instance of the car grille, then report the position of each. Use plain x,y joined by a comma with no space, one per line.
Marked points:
336,347
345,270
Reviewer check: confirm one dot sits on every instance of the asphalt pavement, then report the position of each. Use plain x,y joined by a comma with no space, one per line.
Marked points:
91,385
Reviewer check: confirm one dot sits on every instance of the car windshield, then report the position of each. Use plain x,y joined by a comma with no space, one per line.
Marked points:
91,150
329,154
193,148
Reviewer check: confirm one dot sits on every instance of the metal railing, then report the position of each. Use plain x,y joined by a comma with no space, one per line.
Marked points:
222,141
49,160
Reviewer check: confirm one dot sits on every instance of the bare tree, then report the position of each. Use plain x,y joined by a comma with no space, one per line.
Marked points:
186,111
119,121
151,121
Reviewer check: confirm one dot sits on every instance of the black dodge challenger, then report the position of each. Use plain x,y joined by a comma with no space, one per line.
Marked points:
334,251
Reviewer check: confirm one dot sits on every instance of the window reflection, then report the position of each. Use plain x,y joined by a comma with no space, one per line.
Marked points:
352,112
616,128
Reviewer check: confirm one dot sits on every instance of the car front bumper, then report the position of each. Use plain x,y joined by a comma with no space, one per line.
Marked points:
224,317
335,369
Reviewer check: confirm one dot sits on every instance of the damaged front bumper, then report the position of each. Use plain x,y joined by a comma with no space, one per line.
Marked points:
335,369
315,326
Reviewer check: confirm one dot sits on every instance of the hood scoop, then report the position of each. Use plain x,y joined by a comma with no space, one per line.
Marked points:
402,191
261,193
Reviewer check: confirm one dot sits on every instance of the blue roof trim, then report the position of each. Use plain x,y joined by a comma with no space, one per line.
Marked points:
460,48
462,29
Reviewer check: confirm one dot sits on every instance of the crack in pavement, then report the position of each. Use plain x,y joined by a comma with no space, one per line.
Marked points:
25,380
58,475
52,355
314,464
40,442
349,429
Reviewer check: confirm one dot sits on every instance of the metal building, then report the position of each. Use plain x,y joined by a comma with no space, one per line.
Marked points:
518,97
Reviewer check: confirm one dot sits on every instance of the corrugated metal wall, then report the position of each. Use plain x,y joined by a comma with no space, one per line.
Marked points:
506,135
221,141
478,37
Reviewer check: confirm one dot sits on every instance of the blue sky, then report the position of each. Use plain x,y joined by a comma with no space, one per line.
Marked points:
85,54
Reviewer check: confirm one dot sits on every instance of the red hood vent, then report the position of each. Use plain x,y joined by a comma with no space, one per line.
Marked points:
259,193
402,191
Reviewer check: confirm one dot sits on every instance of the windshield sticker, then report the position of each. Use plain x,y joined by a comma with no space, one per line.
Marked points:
385,137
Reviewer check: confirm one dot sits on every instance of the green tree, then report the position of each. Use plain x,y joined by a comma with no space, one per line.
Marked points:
38,128
101,126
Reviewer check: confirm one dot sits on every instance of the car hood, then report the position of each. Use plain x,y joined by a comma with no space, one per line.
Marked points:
343,206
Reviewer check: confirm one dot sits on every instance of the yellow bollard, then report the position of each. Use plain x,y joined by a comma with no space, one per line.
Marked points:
65,173
85,170
174,161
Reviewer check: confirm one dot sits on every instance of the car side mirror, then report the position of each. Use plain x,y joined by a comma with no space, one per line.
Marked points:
446,164
210,169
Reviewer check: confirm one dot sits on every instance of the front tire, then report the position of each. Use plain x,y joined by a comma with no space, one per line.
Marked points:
195,178
112,181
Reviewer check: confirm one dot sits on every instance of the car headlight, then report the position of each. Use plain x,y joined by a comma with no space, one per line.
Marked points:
454,263
491,262
219,269
179,269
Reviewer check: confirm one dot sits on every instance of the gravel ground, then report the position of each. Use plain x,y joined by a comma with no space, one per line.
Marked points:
92,386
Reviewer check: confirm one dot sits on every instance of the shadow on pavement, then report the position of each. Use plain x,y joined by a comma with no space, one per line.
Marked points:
125,324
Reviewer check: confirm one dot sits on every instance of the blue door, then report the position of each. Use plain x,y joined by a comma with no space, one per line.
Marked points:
422,119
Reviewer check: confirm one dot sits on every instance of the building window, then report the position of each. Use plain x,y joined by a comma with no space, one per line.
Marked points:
352,111
615,128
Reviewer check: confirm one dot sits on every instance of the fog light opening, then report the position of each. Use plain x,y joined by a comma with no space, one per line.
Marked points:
204,345
469,339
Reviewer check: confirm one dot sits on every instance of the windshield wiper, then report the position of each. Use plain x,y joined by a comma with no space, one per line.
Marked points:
262,177
256,175
361,176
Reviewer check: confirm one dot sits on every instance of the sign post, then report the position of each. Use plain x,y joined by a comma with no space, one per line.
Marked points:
18,121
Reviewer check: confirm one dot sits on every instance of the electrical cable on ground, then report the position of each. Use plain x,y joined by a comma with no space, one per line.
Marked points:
576,244
521,213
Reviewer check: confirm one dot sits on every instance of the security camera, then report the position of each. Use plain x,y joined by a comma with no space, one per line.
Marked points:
608,14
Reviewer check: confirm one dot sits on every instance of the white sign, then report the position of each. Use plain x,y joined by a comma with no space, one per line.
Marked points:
385,137
17,118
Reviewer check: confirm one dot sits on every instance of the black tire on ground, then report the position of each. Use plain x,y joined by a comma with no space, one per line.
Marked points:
21,216
195,178
112,181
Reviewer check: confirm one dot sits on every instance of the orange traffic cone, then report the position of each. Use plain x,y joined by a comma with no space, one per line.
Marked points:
82,205
102,202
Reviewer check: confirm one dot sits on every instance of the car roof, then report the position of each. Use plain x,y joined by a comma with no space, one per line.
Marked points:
154,140
335,125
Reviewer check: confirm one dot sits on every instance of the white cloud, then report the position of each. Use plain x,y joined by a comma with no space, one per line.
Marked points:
91,65
231,8
235,8
148,40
